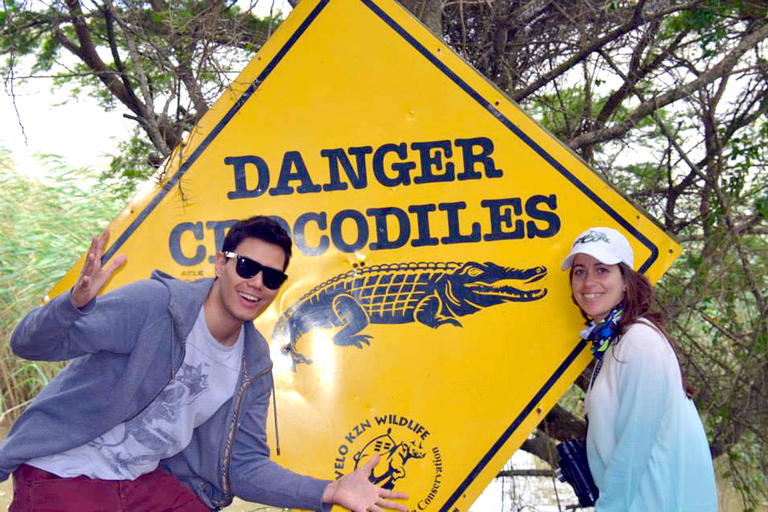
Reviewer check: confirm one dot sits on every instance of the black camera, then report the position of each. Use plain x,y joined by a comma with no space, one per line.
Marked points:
573,468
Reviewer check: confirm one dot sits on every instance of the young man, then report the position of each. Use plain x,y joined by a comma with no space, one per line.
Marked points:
164,404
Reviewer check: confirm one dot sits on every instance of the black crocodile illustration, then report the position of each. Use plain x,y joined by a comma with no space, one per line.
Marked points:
433,294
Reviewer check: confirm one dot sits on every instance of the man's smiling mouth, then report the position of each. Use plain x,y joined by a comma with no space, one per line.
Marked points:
249,297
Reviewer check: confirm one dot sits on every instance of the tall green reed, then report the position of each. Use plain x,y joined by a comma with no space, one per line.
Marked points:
46,222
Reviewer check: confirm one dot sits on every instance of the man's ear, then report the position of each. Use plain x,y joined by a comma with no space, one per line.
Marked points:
221,262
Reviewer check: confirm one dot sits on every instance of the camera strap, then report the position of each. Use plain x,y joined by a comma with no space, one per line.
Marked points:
595,371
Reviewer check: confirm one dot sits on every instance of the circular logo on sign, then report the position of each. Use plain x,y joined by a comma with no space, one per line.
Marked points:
402,443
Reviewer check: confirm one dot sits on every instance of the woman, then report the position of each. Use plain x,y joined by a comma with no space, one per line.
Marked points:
646,445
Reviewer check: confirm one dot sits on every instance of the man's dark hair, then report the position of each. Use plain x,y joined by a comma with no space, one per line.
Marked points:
262,228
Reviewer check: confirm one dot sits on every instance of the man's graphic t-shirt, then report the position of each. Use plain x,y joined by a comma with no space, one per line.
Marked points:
206,379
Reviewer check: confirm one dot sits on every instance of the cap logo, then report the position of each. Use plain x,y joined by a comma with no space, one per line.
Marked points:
592,236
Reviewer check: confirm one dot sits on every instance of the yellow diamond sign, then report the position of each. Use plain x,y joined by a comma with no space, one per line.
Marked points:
426,317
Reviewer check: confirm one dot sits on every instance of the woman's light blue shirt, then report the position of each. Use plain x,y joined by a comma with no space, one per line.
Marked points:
646,445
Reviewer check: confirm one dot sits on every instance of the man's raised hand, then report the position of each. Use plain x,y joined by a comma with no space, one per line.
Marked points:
93,276
355,492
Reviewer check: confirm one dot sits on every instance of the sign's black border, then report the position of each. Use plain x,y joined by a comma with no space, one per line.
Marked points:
485,104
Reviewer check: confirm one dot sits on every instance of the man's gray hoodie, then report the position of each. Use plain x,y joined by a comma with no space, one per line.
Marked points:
125,347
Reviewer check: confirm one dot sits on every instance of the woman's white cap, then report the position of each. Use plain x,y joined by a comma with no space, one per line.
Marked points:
606,245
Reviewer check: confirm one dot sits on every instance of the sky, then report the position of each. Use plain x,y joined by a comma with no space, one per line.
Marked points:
79,131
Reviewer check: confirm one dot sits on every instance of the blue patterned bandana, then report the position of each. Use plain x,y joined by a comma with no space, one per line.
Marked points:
602,333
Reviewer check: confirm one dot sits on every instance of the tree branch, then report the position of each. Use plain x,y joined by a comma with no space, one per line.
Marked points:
721,69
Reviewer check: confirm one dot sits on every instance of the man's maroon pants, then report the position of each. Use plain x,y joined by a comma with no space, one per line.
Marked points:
35,490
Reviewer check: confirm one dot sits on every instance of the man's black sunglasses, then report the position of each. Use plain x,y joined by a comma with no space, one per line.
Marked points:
247,268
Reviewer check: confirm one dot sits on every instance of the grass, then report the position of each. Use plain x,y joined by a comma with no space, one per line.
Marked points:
45,224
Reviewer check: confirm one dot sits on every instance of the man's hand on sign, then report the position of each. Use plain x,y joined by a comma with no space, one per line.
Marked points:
93,276
356,493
